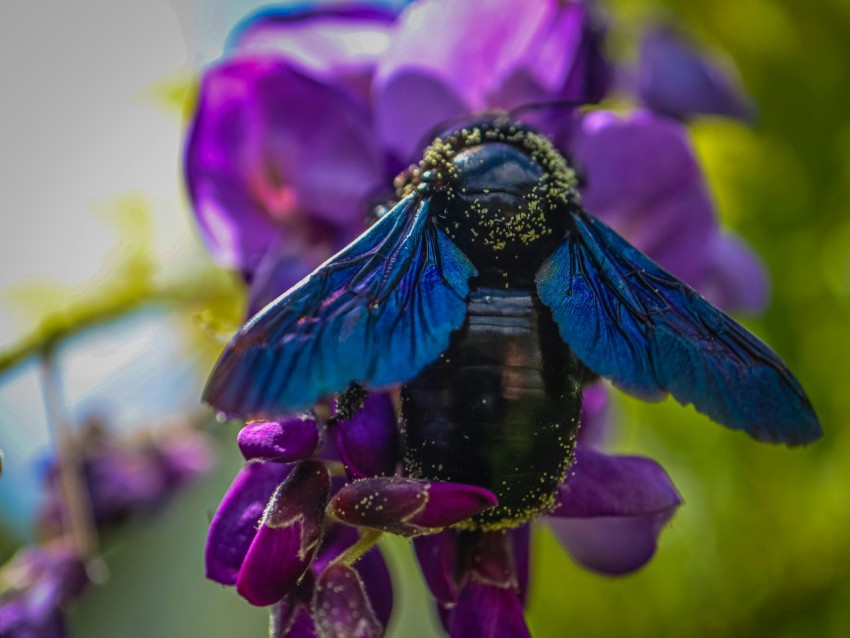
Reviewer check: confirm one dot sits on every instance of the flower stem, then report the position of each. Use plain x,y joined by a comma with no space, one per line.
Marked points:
77,504
368,538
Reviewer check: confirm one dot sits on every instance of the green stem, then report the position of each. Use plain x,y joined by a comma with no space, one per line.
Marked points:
104,309
368,538
77,510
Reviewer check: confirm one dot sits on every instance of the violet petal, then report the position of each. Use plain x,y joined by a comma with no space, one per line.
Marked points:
611,545
288,537
677,80
290,439
437,557
292,616
735,279
595,421
642,178
368,441
378,584
341,606
371,567
605,485
235,522
521,545
612,509
414,92
487,611
407,506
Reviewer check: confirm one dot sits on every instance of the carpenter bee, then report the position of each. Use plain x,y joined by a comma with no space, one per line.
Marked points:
490,296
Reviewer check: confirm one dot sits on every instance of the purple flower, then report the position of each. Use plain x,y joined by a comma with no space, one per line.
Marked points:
677,80
298,134
126,477
293,141
643,179
36,585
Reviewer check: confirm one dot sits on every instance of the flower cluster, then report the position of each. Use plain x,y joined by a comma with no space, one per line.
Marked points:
123,478
120,479
37,584
298,133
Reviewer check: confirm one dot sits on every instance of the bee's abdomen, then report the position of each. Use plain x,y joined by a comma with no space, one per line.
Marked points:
499,409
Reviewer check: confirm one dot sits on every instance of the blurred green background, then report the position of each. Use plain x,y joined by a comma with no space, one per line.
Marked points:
762,545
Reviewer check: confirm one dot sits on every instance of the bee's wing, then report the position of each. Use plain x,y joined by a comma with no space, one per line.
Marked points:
631,321
377,313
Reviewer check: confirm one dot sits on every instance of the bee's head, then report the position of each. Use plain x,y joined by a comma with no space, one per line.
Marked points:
500,190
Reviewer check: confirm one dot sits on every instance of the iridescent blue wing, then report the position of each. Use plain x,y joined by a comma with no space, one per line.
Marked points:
376,313
631,321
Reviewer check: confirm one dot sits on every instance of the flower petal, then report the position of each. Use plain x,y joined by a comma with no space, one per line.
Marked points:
735,279
595,421
487,611
288,536
376,579
368,441
437,556
606,485
292,617
414,91
643,179
677,80
290,439
407,506
272,152
612,509
521,545
611,545
340,44
235,522
342,607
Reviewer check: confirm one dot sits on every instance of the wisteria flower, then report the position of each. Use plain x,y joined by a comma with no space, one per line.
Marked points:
299,132
35,587
127,477
676,79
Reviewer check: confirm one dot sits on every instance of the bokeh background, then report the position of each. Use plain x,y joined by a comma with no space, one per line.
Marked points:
94,217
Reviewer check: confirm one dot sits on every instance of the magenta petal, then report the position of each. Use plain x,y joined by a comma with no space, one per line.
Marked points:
273,564
437,556
273,153
677,80
288,537
487,611
342,607
234,525
612,509
368,441
286,440
407,506
735,279
449,501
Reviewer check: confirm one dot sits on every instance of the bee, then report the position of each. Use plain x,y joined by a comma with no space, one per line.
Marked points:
491,297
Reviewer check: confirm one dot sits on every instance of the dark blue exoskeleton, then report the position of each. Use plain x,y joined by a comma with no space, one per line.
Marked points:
491,297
